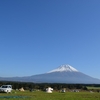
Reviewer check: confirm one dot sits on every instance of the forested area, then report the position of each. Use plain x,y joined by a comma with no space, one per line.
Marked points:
43,86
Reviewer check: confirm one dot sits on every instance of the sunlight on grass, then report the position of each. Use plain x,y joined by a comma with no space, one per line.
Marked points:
40,95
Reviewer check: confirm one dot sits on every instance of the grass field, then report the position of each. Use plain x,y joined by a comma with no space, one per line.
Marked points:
89,87
40,95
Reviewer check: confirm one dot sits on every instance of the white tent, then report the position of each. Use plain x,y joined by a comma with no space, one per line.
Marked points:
21,89
63,90
49,90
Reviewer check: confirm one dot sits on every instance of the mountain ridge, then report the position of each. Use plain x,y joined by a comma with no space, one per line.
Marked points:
63,74
64,68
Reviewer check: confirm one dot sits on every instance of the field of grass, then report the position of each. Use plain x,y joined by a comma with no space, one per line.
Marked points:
40,95
89,87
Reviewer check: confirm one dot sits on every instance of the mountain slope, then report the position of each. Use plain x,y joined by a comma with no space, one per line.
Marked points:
63,74
64,68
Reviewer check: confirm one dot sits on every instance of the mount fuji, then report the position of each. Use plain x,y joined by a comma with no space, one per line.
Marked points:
62,74
64,68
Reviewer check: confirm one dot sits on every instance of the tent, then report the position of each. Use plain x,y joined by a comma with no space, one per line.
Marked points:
21,89
49,90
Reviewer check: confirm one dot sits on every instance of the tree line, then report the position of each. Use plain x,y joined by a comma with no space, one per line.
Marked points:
43,86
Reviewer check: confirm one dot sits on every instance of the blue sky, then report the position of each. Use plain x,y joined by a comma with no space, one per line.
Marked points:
37,36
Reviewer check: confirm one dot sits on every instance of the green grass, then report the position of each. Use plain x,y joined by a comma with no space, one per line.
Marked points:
40,95
89,87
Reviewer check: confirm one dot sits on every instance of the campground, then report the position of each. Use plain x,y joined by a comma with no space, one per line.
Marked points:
56,95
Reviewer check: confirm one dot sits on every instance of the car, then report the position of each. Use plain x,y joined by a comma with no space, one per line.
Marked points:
6,88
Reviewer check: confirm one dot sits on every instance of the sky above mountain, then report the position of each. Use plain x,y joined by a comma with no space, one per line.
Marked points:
37,36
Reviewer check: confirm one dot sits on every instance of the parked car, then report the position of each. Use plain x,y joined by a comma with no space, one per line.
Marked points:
6,88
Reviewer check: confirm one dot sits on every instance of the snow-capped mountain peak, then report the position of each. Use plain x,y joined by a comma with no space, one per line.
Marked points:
64,68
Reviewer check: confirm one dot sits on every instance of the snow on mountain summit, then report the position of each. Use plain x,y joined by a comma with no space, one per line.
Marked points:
64,68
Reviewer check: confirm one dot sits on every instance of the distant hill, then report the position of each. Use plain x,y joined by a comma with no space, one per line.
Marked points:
62,74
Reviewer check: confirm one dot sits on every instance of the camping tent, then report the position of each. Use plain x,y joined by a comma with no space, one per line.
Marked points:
21,89
49,90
